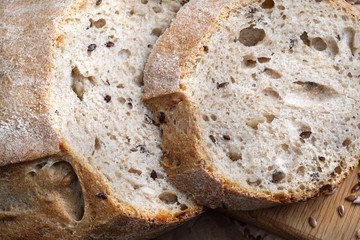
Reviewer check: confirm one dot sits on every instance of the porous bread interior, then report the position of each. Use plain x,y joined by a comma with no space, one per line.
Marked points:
280,115
97,98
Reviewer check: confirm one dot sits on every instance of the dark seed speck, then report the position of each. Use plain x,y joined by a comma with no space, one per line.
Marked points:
312,222
107,98
314,175
252,11
305,134
109,44
292,43
153,174
162,117
98,2
91,47
101,195
226,137
355,188
221,85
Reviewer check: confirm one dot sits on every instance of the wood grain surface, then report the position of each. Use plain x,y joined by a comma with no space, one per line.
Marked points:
292,221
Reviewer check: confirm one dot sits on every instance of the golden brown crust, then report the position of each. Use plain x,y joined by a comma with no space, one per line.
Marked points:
186,163
175,52
26,130
34,192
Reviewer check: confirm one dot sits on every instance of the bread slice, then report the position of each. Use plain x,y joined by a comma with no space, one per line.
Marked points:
81,155
258,99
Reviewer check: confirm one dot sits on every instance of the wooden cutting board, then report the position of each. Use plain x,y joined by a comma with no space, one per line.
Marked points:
292,221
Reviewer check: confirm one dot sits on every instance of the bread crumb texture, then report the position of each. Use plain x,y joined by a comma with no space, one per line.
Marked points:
106,181
287,121
97,94
271,89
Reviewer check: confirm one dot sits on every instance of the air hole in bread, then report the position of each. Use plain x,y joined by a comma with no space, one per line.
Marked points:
264,59
253,181
285,147
249,62
234,154
99,23
304,37
40,165
350,38
140,80
131,12
144,1
206,118
112,137
254,76
31,174
80,82
156,32
135,171
316,90
129,105
272,73
213,117
168,197
268,4
301,170
8,219
157,9
253,123
319,44
120,85
269,117
97,144
346,142
278,176
206,49
251,36
269,92
333,46
70,195
121,100
212,138
125,53
338,170
183,207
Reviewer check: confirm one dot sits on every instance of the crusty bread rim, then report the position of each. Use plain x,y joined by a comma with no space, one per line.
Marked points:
174,56
32,79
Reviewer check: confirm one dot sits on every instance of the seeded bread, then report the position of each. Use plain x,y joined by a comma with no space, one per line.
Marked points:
258,99
79,151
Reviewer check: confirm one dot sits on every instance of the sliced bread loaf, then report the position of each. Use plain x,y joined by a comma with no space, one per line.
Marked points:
259,100
79,150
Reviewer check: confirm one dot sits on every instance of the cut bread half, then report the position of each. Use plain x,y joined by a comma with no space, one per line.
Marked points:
82,157
259,100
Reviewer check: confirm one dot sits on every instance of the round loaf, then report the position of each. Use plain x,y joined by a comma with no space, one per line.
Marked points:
79,151
259,99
